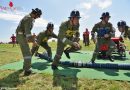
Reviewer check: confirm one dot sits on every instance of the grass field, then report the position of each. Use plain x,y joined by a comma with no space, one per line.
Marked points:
10,79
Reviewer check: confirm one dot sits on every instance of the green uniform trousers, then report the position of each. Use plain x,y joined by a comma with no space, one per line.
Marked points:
45,46
24,46
101,41
60,50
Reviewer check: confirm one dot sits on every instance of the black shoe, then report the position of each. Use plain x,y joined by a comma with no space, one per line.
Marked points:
50,59
110,58
67,54
36,54
92,61
27,72
53,67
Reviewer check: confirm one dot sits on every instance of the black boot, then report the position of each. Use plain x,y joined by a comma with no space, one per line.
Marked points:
54,67
50,59
92,61
110,58
27,72
36,54
67,54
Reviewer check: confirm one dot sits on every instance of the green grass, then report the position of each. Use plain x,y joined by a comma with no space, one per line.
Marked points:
15,79
9,54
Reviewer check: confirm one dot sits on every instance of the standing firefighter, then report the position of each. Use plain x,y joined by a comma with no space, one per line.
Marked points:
86,37
42,40
124,29
65,37
23,36
104,31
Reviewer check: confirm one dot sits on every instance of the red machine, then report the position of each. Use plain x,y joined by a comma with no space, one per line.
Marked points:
120,48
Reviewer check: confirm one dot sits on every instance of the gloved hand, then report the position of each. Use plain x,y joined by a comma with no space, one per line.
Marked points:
30,39
35,44
106,36
75,44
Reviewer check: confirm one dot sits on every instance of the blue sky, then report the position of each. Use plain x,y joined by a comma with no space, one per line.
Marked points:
57,11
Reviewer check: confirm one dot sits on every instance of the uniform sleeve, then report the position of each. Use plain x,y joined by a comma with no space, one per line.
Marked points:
54,35
62,35
39,39
27,27
129,33
111,30
77,34
93,31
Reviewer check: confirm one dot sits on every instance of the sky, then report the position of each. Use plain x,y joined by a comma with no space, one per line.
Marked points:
57,11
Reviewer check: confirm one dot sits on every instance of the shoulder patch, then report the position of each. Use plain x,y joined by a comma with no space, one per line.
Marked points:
63,22
109,23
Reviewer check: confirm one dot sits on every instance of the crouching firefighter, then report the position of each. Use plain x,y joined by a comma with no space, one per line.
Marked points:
124,29
65,37
104,32
42,40
23,36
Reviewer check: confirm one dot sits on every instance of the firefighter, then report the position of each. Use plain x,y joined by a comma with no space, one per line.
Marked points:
104,31
124,29
23,36
67,31
42,40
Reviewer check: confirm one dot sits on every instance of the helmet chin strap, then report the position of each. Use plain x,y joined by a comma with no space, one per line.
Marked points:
72,21
104,21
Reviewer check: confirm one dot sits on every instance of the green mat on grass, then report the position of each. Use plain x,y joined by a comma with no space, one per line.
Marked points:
42,66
